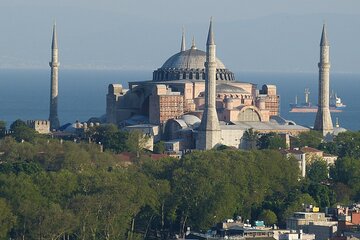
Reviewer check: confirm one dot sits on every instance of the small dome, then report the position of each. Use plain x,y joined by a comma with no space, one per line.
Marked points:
338,130
190,59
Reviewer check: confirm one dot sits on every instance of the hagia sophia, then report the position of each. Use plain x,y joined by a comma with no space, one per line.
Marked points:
194,102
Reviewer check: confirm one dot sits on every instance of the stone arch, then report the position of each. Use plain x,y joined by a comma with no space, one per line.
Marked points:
249,114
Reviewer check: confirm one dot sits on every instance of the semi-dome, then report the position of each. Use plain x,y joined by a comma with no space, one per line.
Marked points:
190,65
191,119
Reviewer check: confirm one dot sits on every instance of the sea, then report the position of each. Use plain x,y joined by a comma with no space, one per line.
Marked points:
24,93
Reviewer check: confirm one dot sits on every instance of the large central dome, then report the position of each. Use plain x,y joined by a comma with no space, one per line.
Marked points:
190,59
190,65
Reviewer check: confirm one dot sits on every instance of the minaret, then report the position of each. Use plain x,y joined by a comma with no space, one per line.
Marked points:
323,120
54,65
183,45
209,133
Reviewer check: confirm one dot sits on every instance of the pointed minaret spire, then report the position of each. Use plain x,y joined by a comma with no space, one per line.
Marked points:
324,40
210,39
183,44
193,45
54,88
54,44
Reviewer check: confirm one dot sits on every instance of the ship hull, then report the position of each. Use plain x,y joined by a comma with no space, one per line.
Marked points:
311,110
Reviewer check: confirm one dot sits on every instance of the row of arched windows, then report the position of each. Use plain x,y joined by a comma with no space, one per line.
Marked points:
191,74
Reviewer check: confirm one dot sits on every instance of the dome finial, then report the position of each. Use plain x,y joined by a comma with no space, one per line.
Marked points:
193,46
183,45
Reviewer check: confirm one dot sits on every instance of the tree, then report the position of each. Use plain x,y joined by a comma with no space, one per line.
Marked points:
268,216
159,147
251,137
297,204
20,131
310,139
322,194
271,141
109,136
7,219
136,142
17,123
343,193
318,171
348,144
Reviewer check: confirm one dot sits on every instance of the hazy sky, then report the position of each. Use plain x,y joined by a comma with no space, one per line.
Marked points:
251,35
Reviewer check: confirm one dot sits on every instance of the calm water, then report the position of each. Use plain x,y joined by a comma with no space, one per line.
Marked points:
25,94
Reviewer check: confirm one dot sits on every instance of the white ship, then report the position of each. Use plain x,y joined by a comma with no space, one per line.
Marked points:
335,101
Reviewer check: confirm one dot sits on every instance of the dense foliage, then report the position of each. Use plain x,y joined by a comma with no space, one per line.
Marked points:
54,190
49,190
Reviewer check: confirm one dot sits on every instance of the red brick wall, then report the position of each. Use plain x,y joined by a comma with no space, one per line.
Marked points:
355,218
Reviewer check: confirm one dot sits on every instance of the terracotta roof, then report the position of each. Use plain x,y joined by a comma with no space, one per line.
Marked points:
310,150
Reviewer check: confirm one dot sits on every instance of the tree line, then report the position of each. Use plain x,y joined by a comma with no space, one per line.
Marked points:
53,190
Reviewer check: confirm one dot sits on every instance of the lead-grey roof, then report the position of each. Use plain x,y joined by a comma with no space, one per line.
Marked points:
227,88
190,59
267,126
190,119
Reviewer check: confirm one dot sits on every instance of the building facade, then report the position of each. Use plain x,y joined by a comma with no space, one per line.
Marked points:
197,102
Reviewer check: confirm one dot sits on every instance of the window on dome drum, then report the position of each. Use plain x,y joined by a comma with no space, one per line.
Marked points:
191,75
197,75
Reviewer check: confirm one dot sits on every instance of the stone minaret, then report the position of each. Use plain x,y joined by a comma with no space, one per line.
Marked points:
323,120
209,133
54,65
183,45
